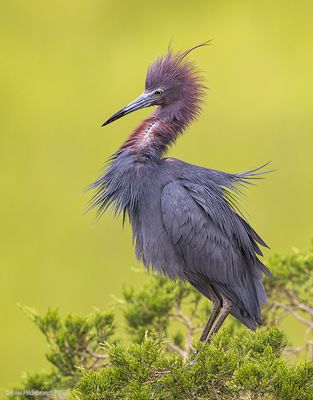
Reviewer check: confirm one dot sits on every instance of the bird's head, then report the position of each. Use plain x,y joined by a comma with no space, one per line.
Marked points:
174,85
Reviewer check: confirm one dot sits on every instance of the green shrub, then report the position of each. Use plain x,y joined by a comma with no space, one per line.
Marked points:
163,359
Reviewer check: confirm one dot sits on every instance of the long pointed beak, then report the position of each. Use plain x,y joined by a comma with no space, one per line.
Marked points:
145,100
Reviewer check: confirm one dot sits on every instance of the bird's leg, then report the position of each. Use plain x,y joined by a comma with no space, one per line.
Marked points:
226,308
216,306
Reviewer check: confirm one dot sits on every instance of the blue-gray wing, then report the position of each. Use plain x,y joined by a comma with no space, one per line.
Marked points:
209,254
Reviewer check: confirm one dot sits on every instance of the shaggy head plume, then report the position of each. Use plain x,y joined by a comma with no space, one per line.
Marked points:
180,84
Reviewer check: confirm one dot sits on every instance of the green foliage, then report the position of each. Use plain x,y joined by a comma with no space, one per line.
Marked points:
74,345
162,360
160,302
290,292
229,368
293,274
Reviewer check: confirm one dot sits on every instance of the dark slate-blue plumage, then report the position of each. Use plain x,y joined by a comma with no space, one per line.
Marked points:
184,218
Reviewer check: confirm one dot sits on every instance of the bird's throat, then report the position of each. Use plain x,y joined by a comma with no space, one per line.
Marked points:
146,135
152,137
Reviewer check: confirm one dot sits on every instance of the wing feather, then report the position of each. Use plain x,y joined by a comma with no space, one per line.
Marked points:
208,250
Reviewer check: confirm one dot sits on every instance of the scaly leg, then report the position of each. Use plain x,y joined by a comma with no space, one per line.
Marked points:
216,307
226,308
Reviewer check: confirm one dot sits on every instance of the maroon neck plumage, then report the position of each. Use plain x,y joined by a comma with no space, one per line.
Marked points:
182,90
154,135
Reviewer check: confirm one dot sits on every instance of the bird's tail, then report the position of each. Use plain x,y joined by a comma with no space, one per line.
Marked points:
247,296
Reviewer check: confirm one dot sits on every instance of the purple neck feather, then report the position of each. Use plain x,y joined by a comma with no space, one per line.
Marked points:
155,134
183,94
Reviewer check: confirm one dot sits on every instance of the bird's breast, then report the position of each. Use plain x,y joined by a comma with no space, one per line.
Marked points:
153,245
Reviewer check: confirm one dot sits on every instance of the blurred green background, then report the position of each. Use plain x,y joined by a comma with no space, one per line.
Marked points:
68,65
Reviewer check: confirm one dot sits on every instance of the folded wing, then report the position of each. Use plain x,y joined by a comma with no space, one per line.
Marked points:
215,246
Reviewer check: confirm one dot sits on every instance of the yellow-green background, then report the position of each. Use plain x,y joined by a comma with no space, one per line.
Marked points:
66,66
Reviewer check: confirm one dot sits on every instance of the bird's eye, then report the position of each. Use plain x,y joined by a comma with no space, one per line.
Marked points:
158,92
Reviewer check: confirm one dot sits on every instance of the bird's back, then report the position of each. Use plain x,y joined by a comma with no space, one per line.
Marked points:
215,244
185,226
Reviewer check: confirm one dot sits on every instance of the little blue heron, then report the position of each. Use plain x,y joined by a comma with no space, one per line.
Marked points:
185,220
